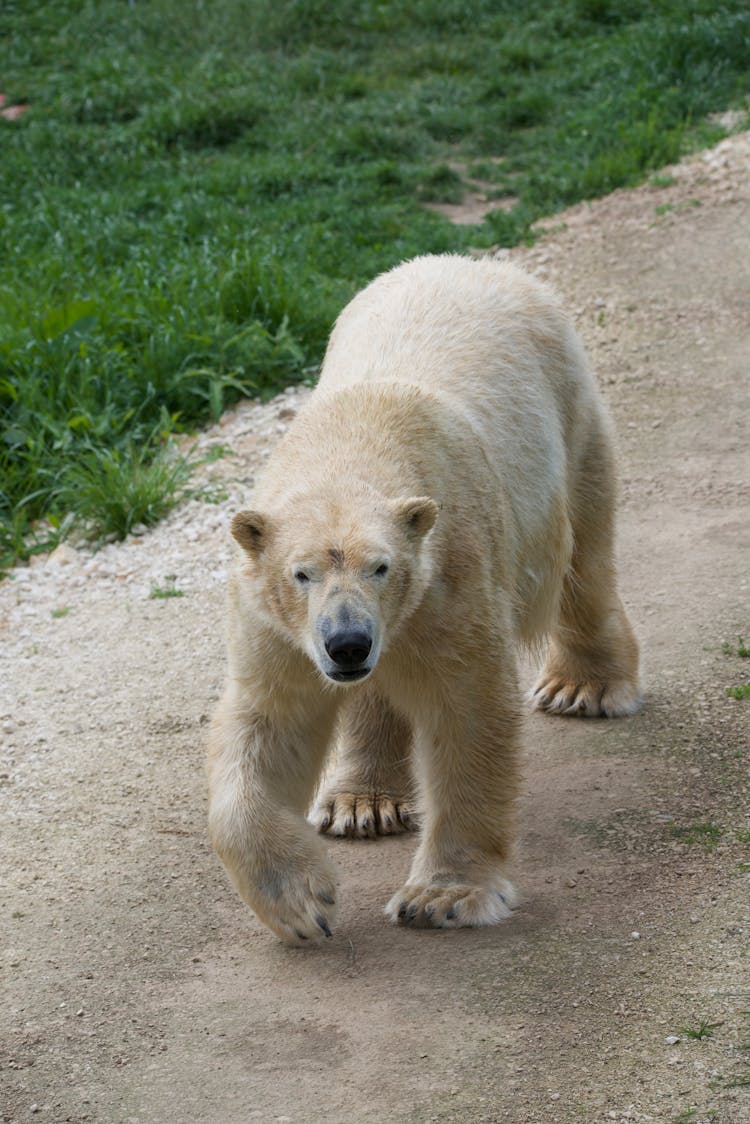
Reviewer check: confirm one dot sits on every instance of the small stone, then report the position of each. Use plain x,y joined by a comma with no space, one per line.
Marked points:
672,1039
635,935
63,555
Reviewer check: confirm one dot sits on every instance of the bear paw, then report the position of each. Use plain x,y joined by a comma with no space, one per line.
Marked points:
298,904
451,907
358,815
592,698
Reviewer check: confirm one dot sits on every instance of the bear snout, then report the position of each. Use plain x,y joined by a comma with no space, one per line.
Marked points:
347,643
349,648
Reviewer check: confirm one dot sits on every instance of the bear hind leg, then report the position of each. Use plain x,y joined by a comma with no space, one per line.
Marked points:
592,660
371,791
593,678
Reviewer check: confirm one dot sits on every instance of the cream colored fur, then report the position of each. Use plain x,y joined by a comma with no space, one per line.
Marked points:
447,492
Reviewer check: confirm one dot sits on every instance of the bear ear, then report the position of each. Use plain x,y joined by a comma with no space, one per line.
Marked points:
251,530
417,515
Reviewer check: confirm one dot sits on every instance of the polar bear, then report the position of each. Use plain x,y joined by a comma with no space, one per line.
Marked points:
446,494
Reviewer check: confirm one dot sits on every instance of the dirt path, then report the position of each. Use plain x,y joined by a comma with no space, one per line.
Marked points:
137,987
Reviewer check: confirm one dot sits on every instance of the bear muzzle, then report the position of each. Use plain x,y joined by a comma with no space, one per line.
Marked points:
347,644
348,649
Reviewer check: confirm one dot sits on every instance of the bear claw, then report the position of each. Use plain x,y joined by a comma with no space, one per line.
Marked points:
362,815
323,924
451,906
590,698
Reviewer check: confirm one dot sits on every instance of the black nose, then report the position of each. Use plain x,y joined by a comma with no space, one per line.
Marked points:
348,648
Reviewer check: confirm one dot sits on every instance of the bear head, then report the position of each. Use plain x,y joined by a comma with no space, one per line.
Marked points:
338,571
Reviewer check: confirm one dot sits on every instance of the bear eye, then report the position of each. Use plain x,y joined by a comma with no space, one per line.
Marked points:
300,576
382,570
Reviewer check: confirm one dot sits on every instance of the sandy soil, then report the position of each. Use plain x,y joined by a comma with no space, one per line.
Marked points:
136,985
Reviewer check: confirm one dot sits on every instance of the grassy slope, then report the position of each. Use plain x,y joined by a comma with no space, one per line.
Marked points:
198,187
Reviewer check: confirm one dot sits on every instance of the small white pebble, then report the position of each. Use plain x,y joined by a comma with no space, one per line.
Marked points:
635,935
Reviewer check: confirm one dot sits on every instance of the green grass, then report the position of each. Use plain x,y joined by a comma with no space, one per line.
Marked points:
658,180
706,834
743,652
703,1030
164,592
690,1116
196,189
114,490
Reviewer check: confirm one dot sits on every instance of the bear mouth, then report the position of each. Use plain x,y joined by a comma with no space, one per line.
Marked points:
348,676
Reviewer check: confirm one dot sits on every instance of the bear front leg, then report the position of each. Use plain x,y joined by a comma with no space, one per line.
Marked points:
261,777
467,757
371,791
